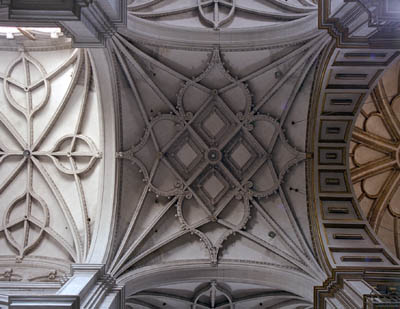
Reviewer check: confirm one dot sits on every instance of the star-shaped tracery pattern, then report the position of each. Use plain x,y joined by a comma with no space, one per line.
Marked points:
375,158
212,157
27,90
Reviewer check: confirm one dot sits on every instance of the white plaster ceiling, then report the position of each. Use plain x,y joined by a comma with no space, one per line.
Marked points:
50,149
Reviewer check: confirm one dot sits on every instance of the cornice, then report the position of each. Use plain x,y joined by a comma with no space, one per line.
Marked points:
360,23
88,23
286,34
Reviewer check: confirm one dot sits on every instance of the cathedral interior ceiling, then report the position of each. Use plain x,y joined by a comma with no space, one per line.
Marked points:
212,152
212,104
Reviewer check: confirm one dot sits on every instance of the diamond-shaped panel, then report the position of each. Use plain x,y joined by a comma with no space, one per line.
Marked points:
185,155
211,186
215,123
242,155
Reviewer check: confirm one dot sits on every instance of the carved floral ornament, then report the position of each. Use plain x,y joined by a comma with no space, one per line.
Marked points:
36,145
375,159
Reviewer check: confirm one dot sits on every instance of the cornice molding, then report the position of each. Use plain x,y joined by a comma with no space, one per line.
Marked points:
88,23
361,23
286,34
339,288
88,286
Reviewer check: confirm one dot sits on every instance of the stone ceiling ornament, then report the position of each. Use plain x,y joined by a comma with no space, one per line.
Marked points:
217,18
220,14
212,291
212,164
362,23
216,155
88,23
215,294
375,158
43,150
383,14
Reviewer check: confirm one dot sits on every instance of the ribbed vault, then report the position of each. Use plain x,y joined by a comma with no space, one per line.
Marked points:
213,154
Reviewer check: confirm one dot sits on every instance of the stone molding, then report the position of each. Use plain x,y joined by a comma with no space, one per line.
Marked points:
360,23
89,286
88,23
352,287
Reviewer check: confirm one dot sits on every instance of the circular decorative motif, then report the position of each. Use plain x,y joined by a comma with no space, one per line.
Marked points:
27,90
65,149
28,63
25,222
214,155
26,153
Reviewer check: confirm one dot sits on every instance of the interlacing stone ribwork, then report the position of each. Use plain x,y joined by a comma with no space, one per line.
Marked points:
217,19
216,155
215,294
375,158
32,135
219,14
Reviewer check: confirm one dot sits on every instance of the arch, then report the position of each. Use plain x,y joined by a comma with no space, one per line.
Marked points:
283,279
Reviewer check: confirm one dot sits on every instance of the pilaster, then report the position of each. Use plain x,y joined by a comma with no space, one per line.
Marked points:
87,287
359,288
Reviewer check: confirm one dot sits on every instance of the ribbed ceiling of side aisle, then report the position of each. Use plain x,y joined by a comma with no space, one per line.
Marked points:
52,154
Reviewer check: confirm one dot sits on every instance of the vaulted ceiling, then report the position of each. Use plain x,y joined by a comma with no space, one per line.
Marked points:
178,154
